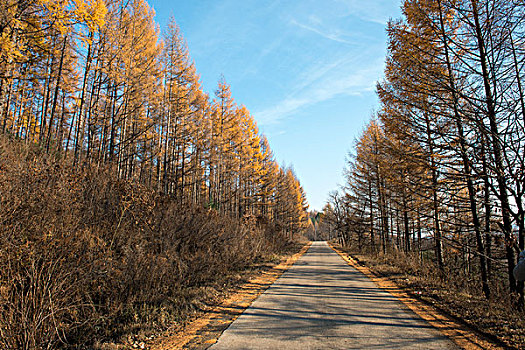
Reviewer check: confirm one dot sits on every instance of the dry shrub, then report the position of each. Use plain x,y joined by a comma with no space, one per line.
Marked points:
455,292
82,253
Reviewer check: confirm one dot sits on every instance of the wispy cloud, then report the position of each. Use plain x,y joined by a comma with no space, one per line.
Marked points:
256,61
375,11
330,35
350,66
340,78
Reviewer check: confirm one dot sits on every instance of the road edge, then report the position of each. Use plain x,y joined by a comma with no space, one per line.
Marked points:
204,331
462,335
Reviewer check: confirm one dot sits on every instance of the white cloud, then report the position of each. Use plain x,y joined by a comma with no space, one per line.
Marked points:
351,69
331,35
375,11
350,76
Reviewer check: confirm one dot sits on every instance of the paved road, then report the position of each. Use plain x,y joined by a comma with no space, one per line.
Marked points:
322,303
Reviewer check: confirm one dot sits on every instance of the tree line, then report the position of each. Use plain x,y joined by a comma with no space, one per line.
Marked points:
96,81
440,167
130,198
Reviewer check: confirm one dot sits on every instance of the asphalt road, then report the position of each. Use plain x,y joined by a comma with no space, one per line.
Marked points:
323,303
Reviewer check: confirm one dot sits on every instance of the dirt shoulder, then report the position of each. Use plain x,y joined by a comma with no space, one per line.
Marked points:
452,326
205,327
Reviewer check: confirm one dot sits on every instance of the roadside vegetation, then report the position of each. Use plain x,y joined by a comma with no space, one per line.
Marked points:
434,186
87,257
495,319
128,196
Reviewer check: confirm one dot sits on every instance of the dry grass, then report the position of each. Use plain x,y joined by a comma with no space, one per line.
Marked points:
85,257
455,295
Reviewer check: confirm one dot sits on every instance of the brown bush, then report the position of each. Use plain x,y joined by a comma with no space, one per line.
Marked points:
81,252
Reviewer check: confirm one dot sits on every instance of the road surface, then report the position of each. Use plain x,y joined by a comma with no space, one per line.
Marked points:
323,303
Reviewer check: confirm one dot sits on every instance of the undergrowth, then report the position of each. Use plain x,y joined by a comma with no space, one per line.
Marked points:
452,292
85,257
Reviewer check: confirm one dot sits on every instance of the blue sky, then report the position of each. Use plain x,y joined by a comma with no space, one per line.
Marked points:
305,69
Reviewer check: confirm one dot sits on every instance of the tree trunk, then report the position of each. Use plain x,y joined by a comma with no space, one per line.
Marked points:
496,149
466,163
435,202
55,97
79,129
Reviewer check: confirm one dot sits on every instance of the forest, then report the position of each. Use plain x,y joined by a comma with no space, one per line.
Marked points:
436,178
127,193
130,198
